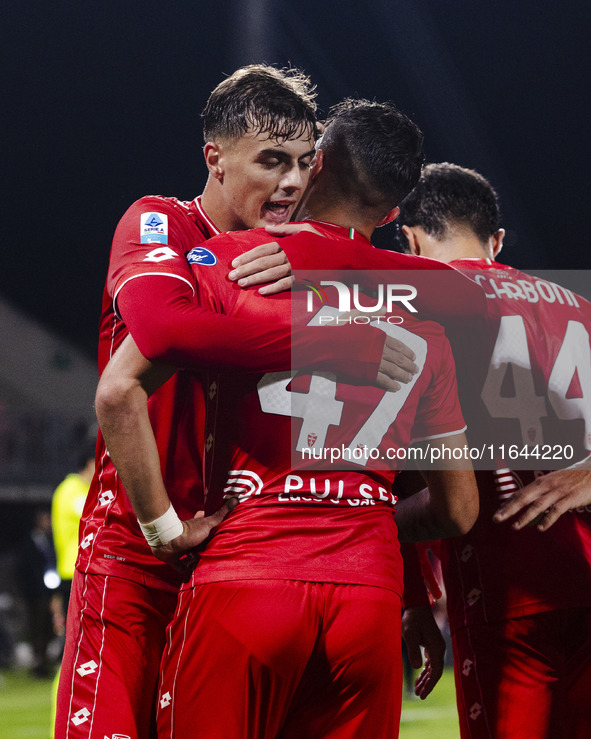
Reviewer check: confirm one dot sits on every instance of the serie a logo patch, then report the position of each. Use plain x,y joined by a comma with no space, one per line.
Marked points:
154,228
201,255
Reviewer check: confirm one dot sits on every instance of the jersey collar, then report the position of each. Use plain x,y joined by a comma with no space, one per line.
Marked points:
346,232
214,230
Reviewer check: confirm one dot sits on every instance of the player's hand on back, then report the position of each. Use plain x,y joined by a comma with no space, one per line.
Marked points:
268,263
397,362
264,263
397,365
177,553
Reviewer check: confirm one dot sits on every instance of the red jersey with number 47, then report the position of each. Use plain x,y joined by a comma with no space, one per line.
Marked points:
531,412
301,517
150,286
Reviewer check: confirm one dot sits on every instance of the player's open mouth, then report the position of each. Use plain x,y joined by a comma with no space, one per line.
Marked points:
278,212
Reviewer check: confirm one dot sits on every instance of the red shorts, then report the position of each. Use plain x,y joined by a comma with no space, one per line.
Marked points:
278,658
115,637
527,677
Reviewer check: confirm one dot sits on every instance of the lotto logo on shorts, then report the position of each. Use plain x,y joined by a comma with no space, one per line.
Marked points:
475,711
106,497
118,736
154,228
87,668
80,716
473,596
166,700
466,552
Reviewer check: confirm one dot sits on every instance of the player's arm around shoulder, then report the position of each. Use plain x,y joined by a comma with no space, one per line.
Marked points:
449,505
268,262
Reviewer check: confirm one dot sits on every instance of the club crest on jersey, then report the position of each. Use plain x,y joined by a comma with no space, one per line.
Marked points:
154,228
201,255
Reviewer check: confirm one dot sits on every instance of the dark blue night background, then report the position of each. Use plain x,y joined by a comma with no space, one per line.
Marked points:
101,104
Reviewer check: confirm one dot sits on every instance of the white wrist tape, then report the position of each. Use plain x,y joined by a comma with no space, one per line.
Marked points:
163,529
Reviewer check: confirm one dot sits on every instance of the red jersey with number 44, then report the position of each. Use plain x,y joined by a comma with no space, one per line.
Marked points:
301,517
530,410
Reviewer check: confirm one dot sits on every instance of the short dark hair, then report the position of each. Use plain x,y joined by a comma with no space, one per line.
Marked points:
378,151
263,99
448,195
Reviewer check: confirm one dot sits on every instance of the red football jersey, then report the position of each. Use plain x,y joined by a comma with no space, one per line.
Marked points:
152,239
532,403
299,517
159,238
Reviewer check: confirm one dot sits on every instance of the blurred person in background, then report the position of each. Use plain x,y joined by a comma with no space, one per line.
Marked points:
38,581
66,510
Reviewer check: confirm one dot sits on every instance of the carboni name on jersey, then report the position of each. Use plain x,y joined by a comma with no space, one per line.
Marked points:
526,290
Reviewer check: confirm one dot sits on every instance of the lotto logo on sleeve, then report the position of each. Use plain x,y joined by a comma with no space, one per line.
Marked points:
201,255
154,228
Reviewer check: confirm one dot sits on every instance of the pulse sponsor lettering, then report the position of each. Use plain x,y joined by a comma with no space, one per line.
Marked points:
308,490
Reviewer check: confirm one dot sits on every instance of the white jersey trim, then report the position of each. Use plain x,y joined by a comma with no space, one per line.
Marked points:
147,274
439,436
74,686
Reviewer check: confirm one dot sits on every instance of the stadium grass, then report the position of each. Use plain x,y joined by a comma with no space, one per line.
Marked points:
436,717
25,707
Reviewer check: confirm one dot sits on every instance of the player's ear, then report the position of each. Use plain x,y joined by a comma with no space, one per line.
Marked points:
391,216
213,155
497,241
413,242
316,164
